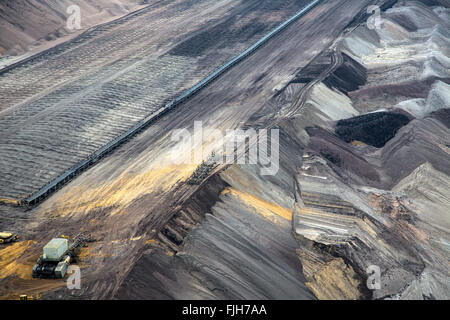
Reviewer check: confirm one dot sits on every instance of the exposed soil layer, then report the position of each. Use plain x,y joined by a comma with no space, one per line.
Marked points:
312,229
398,222
127,199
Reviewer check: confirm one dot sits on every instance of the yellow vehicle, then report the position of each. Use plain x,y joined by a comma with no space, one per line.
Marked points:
7,237
27,297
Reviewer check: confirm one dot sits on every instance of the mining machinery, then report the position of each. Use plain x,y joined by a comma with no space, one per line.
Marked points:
8,237
57,255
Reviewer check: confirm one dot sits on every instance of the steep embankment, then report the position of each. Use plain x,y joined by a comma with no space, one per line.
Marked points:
337,205
128,201
371,188
374,187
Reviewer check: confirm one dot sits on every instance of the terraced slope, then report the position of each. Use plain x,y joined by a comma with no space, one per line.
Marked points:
336,206
375,196
134,199
374,186
63,105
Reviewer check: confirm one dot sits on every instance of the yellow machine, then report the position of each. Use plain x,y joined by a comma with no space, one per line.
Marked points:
7,237
27,297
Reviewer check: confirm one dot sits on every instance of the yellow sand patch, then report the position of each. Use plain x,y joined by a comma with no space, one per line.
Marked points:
334,281
30,287
9,264
122,212
85,253
444,148
268,209
122,191
13,263
358,143
9,201
95,253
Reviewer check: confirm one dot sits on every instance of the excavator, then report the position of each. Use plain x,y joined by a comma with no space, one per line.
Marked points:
57,255
8,237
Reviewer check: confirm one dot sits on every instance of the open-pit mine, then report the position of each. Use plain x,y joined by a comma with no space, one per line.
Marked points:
339,188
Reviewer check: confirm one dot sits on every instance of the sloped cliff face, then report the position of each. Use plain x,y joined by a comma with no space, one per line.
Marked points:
363,183
30,23
242,247
378,195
